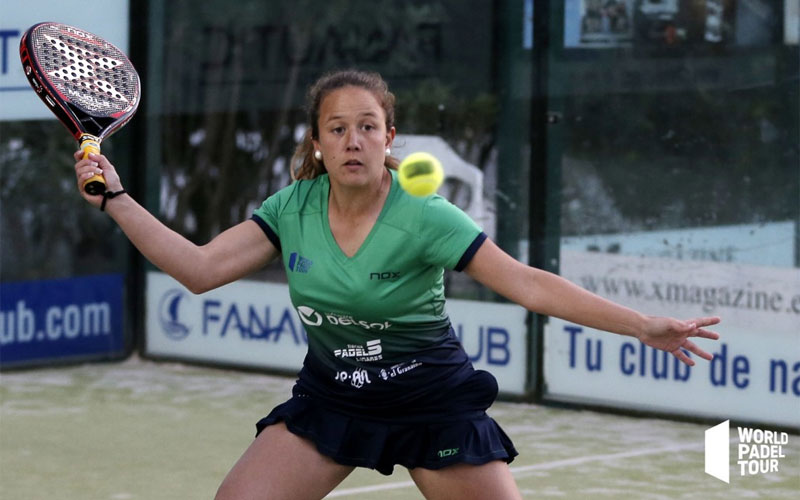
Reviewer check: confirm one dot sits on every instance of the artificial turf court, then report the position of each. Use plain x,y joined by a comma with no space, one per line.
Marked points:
145,430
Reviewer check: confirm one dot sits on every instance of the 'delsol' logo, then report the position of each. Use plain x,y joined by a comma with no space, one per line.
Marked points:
309,316
758,451
313,318
169,314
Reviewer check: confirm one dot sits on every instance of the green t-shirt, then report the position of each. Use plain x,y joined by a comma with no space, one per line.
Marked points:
385,304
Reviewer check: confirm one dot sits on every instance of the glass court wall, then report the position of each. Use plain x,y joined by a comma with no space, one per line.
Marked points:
227,85
647,150
673,177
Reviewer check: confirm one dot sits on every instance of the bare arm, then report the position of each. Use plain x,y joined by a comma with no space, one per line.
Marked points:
233,254
549,294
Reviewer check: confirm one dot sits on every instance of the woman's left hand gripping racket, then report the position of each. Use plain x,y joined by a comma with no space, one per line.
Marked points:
88,83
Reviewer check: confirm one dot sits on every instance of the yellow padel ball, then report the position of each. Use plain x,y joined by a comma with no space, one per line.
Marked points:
420,174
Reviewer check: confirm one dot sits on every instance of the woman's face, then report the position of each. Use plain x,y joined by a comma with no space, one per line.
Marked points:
353,136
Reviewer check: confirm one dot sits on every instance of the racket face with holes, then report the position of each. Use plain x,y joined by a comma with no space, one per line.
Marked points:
88,83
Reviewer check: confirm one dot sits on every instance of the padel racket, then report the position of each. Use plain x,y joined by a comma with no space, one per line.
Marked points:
88,83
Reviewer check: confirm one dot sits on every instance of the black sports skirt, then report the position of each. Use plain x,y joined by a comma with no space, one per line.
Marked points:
431,442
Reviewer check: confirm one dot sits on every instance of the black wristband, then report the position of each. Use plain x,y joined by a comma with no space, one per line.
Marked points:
107,196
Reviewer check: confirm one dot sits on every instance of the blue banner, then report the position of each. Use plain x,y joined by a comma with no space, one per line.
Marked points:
51,320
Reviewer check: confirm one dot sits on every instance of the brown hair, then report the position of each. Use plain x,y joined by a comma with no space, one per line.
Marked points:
309,167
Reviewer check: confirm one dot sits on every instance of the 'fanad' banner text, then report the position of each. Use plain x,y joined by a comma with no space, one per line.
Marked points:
253,324
754,376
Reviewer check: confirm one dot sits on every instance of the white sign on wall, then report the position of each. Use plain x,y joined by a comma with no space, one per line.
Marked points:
253,324
108,20
495,338
791,22
767,244
755,375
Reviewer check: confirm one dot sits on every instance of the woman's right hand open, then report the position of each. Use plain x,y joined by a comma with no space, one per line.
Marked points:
93,165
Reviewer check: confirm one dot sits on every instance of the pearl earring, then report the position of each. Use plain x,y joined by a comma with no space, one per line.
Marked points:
388,151
318,155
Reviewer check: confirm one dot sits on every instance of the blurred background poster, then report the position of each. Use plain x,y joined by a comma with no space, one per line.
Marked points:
599,23
649,23
791,22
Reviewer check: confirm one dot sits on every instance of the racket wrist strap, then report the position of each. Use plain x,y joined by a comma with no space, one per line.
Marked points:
107,196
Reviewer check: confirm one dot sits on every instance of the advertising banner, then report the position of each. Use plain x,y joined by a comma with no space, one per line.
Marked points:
53,320
755,373
253,324
109,22
266,53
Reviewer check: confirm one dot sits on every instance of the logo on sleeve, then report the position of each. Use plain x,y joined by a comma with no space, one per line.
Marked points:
299,264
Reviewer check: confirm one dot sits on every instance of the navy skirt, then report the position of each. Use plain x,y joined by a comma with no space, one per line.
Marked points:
431,441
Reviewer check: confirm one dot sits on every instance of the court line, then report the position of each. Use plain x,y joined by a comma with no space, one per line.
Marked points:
609,456
528,468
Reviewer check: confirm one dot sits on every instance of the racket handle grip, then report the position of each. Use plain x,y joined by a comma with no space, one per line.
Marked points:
96,184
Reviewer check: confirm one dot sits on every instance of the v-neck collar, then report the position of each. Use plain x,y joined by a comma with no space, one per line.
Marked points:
334,246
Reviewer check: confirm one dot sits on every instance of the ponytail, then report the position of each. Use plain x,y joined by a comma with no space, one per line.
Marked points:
304,165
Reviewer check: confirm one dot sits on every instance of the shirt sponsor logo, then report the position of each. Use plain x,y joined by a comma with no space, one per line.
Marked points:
357,378
372,351
385,276
299,264
313,318
399,369
309,316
